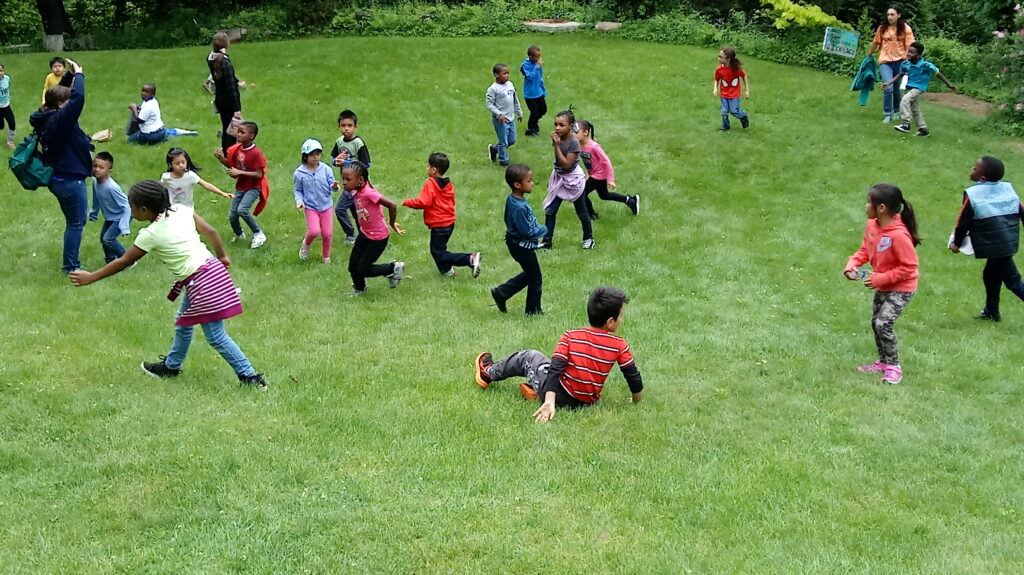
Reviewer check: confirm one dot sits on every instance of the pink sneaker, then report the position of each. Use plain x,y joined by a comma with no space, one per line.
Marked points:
877,367
892,375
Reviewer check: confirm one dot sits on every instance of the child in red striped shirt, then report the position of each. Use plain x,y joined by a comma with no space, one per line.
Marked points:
574,376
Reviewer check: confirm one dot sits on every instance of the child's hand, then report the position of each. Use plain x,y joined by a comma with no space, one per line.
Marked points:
226,261
954,248
398,229
867,281
850,273
300,206
953,88
612,185
502,118
234,172
747,94
227,195
519,119
80,278
219,153
546,412
335,186
555,139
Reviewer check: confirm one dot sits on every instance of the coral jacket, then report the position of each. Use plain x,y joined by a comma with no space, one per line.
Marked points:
890,250
437,200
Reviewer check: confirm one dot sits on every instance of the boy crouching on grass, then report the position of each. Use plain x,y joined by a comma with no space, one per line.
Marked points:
574,377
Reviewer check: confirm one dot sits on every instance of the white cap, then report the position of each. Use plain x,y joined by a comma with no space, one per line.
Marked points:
310,146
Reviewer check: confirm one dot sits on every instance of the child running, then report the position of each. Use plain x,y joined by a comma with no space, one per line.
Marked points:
505,110
600,174
522,236
437,200
247,164
108,198
348,148
181,178
574,376
534,93
919,74
373,232
210,295
6,114
991,214
889,239
314,184
567,180
727,83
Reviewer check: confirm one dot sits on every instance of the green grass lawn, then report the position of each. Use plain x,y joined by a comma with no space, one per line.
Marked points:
758,447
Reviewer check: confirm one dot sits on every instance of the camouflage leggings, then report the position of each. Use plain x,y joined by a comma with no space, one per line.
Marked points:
887,307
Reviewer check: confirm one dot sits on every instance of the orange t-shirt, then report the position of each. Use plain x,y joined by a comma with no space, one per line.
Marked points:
892,49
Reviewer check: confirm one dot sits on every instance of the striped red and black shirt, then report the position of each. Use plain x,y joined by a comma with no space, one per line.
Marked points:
589,354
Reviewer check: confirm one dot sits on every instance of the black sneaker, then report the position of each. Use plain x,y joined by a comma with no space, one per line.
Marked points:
256,380
633,202
498,301
922,132
905,128
985,315
593,216
745,122
492,152
159,368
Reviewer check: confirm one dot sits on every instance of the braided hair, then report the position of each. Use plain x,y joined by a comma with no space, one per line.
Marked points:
152,195
359,168
568,115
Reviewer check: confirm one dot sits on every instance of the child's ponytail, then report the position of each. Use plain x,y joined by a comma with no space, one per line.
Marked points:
910,221
587,126
152,195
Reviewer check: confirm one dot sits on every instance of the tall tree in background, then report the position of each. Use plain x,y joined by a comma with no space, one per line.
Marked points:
55,24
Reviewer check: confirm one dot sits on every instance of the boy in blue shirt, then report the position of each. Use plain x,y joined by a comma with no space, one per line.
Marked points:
108,198
522,236
533,89
919,73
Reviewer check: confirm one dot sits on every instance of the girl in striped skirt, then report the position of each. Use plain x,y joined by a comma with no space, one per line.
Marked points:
210,295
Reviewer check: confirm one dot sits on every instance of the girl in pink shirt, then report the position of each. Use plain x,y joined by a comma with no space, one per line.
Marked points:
600,174
373,232
889,240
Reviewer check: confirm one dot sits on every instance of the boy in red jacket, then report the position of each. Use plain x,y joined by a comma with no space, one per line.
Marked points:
437,200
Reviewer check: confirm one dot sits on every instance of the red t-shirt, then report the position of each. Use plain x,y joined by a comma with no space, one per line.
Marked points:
249,160
729,81
590,354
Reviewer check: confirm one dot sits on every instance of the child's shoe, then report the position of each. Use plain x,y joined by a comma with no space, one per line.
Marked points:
396,276
327,260
483,361
877,367
892,374
905,128
357,292
499,301
745,122
160,369
633,203
922,132
349,240
303,251
237,237
256,380
887,118
474,264
528,393
986,315
258,239
492,153
450,273
593,215
589,244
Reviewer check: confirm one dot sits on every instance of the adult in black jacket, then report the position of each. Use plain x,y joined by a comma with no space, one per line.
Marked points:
226,98
67,149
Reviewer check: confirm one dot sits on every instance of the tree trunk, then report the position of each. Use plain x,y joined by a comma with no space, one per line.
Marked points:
53,42
55,19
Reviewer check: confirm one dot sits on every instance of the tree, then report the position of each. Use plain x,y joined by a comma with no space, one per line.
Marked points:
55,24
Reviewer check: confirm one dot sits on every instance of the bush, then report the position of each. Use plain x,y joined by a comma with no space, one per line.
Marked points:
1006,59
19,22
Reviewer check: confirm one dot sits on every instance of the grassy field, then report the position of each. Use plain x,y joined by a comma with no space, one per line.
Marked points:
758,447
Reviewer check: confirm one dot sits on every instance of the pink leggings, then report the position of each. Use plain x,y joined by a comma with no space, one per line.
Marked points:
318,223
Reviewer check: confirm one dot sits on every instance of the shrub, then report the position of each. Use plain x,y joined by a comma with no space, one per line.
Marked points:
1007,60
19,22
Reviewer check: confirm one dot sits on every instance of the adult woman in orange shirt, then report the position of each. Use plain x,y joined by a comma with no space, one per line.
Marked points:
892,38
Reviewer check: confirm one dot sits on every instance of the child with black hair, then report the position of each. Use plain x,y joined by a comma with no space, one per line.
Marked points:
210,295
247,164
567,180
890,237
728,76
991,214
600,174
522,236
503,103
349,148
314,184
373,232
108,198
57,67
6,114
181,178
919,73
574,376
437,200
534,93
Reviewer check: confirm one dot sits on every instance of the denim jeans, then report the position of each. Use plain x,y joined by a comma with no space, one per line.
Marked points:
530,278
241,207
506,137
141,137
74,203
731,106
444,259
112,248
346,204
551,214
892,96
216,336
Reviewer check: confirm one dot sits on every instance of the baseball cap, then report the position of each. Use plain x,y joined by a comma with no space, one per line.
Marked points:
310,146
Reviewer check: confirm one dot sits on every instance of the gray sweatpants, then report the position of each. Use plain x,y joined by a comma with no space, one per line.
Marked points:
910,108
888,306
529,363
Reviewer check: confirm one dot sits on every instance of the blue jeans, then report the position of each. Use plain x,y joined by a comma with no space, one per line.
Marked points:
112,249
141,137
731,106
892,96
346,203
74,203
506,137
444,259
241,207
216,336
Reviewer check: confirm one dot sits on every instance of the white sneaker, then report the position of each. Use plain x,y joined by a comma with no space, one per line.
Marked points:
349,240
397,275
237,237
303,251
474,264
327,260
450,273
589,244
258,239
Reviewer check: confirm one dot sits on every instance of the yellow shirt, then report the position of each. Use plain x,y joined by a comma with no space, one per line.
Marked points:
51,81
892,50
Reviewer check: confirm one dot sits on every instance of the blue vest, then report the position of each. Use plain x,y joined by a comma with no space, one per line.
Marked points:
995,229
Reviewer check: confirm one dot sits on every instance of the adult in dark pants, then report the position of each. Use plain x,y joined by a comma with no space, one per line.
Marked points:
226,98
67,149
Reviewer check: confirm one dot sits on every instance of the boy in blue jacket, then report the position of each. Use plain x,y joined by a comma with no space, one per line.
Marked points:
522,236
533,89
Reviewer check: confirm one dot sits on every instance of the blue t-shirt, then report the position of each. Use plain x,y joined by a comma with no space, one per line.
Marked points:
5,91
918,75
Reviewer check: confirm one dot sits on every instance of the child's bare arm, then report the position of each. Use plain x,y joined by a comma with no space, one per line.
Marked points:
948,83
546,411
83,278
211,235
392,214
746,86
213,188
236,173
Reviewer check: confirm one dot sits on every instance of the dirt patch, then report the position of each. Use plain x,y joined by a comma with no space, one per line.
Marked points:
1017,147
960,102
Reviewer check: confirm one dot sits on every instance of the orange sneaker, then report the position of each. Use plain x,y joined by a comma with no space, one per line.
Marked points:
483,361
527,392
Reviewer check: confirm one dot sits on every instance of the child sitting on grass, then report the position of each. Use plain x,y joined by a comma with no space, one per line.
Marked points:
574,376
437,200
919,73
